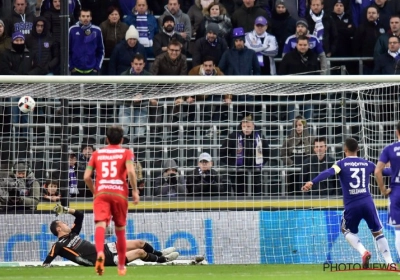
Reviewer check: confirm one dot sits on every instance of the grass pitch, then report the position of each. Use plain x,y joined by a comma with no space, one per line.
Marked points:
209,272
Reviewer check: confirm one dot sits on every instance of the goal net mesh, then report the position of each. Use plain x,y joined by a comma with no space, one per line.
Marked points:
248,209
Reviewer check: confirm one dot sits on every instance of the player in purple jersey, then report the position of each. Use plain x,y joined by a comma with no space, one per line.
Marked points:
391,154
354,173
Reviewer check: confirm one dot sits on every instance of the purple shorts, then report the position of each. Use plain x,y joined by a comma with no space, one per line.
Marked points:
352,216
394,210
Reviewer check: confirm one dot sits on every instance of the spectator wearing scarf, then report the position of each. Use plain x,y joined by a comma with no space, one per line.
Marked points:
145,23
389,63
322,26
246,148
264,44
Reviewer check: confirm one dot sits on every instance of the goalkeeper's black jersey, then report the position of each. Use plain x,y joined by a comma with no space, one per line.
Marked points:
73,247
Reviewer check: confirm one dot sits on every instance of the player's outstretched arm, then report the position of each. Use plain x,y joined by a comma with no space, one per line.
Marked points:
52,255
322,176
379,170
87,177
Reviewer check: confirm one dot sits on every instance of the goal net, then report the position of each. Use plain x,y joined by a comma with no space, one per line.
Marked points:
220,161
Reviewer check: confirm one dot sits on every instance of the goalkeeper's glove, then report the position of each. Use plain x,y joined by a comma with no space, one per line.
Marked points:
59,209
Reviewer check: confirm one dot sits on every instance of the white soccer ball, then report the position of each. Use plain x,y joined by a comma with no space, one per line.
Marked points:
26,104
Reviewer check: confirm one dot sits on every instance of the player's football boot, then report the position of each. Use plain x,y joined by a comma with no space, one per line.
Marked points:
122,271
365,260
99,267
171,257
168,251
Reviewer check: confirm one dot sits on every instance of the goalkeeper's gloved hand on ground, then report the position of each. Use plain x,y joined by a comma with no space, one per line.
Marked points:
59,209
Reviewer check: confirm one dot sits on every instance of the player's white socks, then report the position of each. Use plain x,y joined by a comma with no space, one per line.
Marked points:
355,242
397,240
383,247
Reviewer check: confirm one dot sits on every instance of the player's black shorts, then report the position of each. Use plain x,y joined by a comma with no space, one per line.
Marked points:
110,253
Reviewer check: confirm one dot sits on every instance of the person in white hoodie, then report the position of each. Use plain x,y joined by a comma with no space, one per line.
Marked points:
264,44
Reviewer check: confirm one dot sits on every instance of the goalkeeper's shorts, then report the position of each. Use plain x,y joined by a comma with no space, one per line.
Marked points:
111,255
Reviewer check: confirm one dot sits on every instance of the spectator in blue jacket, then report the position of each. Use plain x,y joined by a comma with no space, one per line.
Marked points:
239,60
86,48
125,51
145,23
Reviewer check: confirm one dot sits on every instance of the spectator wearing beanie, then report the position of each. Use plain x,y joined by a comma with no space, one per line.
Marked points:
145,23
18,61
167,34
283,24
264,44
125,51
211,45
182,20
314,44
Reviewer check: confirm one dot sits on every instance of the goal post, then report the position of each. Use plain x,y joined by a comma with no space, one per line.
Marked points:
176,125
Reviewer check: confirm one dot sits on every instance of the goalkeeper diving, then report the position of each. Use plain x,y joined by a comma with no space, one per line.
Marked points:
72,247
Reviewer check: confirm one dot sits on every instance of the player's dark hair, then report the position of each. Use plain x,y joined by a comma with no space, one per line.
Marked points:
320,139
115,134
351,144
53,227
398,126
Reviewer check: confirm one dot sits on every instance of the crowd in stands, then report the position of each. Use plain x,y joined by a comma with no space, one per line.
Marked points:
231,37
118,30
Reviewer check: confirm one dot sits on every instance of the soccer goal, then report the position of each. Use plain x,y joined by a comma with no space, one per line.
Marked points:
220,160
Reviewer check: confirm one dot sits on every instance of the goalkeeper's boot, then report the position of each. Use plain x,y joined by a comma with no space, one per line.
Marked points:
168,251
365,260
99,267
171,257
121,271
